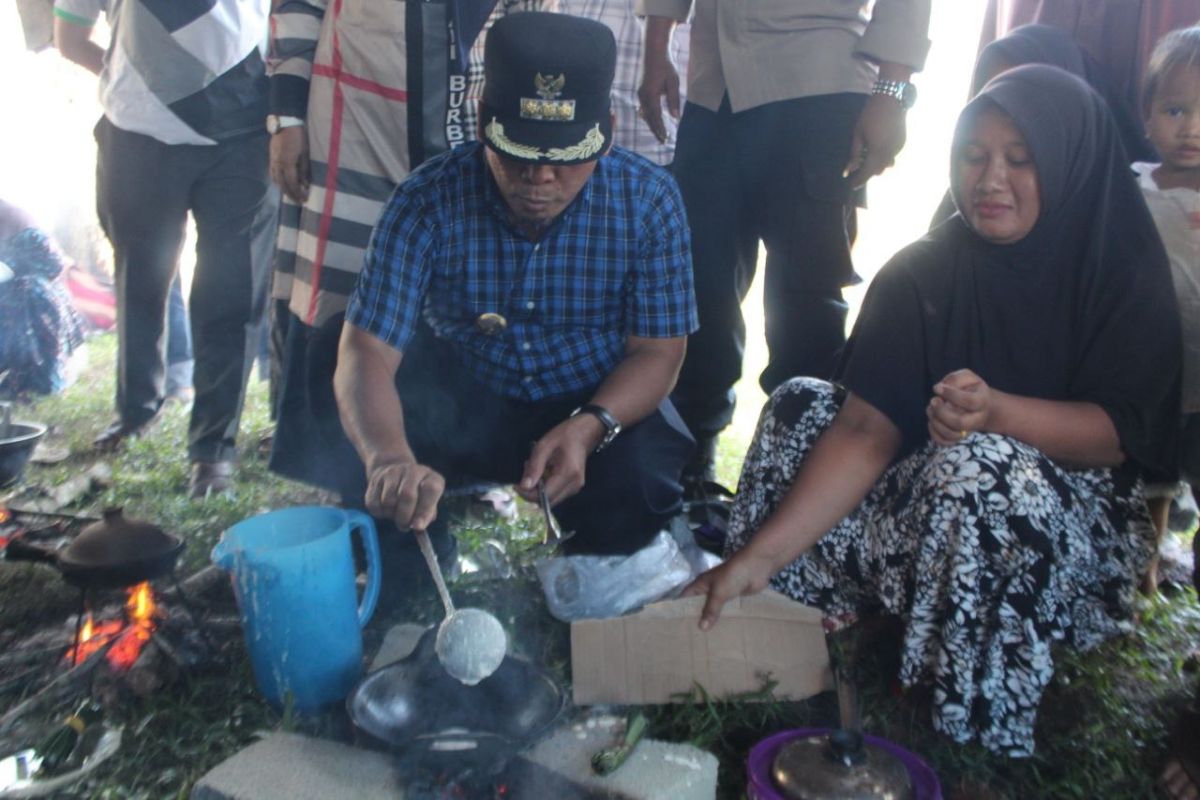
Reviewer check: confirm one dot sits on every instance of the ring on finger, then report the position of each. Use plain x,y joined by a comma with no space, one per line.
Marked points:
962,434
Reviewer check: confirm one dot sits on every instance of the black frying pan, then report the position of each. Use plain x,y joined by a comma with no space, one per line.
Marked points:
110,554
415,709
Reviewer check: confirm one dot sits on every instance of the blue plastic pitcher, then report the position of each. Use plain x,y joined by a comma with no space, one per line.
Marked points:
293,575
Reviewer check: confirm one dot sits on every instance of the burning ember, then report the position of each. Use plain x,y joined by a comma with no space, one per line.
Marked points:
131,633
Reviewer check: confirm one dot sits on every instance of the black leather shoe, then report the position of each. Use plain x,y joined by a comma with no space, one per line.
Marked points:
210,478
113,437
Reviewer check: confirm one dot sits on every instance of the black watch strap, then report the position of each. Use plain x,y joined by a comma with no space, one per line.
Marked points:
612,426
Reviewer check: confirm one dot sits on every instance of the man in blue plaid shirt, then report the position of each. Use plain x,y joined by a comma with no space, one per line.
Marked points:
525,299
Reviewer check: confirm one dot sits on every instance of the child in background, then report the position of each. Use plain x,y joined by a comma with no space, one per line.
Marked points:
1171,102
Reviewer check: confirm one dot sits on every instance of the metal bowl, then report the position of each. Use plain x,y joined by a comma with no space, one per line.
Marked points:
16,449
414,709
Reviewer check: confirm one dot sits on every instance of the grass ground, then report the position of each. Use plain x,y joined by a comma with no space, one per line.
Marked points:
1102,725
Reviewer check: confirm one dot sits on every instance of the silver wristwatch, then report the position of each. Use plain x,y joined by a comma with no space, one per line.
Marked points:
902,92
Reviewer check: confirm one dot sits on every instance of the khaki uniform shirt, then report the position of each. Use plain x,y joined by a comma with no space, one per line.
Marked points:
762,51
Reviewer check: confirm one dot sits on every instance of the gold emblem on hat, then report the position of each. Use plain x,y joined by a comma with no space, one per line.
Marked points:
490,323
592,143
549,88
546,106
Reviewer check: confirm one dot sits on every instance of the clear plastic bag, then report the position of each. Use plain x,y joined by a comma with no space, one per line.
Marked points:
597,587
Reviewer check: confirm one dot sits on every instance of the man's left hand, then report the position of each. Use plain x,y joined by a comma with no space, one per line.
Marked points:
560,458
878,137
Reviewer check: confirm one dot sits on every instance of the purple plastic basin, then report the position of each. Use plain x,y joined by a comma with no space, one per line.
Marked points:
760,785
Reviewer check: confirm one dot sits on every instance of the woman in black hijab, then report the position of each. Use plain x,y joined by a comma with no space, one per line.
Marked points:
1045,44
978,470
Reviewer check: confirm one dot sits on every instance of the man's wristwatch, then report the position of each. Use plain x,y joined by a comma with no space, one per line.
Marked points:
902,92
277,122
612,426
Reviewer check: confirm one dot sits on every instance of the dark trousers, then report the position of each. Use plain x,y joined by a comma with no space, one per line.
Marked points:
771,174
145,190
179,341
469,433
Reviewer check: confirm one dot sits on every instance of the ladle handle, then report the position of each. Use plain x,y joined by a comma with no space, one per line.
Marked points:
435,570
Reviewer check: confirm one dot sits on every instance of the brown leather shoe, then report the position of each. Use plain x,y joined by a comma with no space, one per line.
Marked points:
113,437
210,478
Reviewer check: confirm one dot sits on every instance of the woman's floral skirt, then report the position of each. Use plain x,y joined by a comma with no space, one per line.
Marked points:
987,549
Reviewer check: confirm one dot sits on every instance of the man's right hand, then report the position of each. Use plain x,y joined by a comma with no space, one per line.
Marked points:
659,77
406,493
289,162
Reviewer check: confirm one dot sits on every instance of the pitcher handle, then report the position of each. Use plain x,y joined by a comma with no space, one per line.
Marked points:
365,526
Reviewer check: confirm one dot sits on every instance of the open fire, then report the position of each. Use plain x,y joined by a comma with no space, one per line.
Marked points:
131,633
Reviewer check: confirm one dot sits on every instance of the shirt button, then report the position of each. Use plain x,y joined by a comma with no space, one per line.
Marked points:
527,378
537,247
530,305
526,345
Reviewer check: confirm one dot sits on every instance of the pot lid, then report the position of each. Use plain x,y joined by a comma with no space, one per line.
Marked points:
117,541
840,765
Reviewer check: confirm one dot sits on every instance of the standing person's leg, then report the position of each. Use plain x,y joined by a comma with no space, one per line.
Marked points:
1158,505
278,321
265,236
141,200
234,212
800,149
724,250
179,344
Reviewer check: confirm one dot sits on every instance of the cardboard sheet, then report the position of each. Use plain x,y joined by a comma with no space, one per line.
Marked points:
647,657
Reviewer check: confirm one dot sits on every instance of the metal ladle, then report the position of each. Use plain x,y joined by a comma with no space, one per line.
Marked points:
471,643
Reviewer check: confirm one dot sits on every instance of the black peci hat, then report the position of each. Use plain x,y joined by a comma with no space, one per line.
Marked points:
547,79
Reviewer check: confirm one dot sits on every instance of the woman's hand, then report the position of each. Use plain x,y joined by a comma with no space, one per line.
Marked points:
962,402
743,574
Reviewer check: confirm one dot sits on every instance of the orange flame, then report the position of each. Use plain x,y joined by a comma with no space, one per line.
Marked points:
5,514
131,634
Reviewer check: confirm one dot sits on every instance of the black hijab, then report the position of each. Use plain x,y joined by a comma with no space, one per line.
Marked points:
1080,309
1045,44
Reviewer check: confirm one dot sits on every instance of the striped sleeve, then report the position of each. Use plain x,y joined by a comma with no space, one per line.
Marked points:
295,29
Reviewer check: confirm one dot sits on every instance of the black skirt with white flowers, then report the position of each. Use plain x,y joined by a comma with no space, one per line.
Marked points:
987,549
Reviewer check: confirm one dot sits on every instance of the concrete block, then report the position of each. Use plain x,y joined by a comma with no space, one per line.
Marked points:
287,766
654,771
